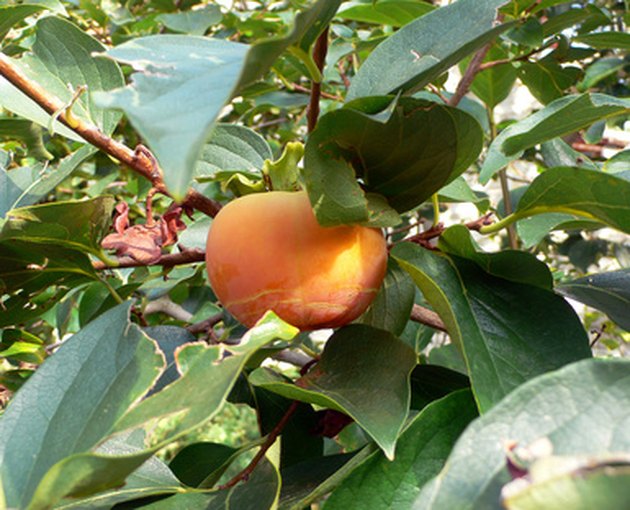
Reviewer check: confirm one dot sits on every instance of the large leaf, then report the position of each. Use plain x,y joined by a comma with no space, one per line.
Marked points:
422,50
560,117
182,82
608,292
363,372
422,450
508,329
384,12
406,153
63,54
598,196
174,99
73,399
77,225
582,409
27,185
604,40
195,397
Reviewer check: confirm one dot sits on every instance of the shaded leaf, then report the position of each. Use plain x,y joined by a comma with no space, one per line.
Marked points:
508,331
608,292
380,484
11,15
194,22
604,40
493,85
547,80
363,372
405,151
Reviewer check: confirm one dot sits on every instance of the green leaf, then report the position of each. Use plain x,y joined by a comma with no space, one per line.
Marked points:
77,225
363,372
391,308
261,492
420,455
532,230
557,152
74,397
592,194
193,22
605,40
173,100
425,48
195,397
619,164
233,147
547,80
529,32
195,462
63,54
432,382
459,191
561,117
384,12
508,330
608,292
600,70
406,153
495,84
581,409
26,185
11,15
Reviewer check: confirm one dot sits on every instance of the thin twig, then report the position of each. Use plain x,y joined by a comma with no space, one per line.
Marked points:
437,230
166,260
427,317
299,88
598,334
471,71
138,160
507,205
166,306
319,57
205,325
271,438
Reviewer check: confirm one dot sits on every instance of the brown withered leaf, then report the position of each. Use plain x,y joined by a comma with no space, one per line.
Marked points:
143,243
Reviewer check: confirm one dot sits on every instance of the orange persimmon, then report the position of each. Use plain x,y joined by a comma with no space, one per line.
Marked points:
266,251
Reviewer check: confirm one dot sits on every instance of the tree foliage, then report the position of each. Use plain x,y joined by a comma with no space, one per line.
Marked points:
471,382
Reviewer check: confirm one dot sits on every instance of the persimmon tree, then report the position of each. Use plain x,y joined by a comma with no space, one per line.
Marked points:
470,382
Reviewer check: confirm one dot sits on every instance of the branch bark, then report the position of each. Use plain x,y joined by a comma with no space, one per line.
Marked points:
140,161
427,317
166,260
319,56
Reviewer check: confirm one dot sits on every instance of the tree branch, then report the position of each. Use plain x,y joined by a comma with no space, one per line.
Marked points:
140,161
319,56
471,71
427,317
271,438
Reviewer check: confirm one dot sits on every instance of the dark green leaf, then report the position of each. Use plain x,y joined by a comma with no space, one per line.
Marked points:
508,331
493,85
75,396
28,133
432,382
380,484
406,153
391,308
581,409
557,152
548,81
424,49
608,292
600,70
363,372
11,15
604,40
195,462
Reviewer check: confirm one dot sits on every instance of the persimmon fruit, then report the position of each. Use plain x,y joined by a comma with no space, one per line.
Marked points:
266,251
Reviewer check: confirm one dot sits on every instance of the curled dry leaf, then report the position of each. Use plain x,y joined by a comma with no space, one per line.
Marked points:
143,243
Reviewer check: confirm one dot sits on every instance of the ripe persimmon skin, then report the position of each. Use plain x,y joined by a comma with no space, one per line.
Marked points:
266,251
